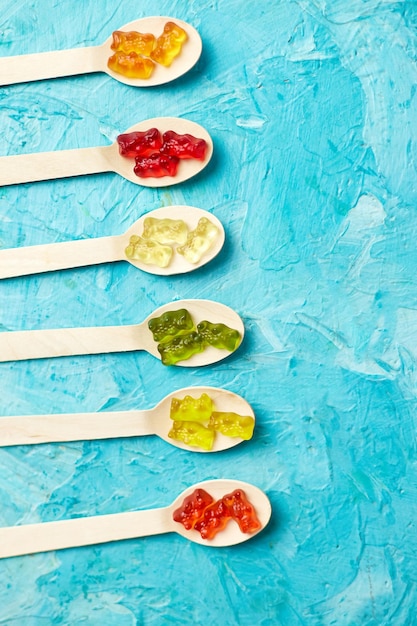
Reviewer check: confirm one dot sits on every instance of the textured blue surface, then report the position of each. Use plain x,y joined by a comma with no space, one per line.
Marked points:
311,106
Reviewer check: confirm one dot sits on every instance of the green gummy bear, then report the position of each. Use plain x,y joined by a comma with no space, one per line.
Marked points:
169,324
192,434
192,409
219,335
232,424
180,348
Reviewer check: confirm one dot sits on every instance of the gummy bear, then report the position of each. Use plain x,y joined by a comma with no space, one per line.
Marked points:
180,348
165,230
214,519
170,323
192,409
156,165
232,424
192,508
148,251
169,44
132,41
242,511
183,146
131,65
219,335
199,241
139,143
192,434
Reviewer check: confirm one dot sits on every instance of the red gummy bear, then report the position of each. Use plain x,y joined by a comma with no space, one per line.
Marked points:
192,508
215,518
183,146
241,510
156,165
139,143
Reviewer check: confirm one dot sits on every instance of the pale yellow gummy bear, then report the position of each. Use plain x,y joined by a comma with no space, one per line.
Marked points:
199,240
165,230
148,251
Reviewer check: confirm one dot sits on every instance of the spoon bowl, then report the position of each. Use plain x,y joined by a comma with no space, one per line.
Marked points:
187,168
37,429
84,531
38,344
58,63
26,168
231,535
79,253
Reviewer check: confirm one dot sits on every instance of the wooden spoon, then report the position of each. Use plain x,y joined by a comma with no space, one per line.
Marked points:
25,168
82,252
37,344
84,531
38,66
35,429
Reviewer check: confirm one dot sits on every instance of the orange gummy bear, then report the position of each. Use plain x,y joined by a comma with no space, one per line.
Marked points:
131,65
132,41
169,44
242,511
214,519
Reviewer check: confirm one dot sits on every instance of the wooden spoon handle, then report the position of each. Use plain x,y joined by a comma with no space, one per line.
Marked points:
58,256
38,344
38,66
33,429
25,168
83,531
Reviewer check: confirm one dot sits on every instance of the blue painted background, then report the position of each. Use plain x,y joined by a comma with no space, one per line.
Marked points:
312,108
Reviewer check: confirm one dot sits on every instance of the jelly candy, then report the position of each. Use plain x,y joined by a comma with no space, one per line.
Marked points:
180,348
208,517
156,165
192,508
131,65
169,44
139,143
148,251
165,230
183,146
242,511
192,409
214,519
178,339
132,41
219,335
232,424
192,434
199,241
170,323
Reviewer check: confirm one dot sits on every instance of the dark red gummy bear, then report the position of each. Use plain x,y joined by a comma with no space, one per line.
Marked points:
215,518
183,146
139,143
241,510
156,166
192,508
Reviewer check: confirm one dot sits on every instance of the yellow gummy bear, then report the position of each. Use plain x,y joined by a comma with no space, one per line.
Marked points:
133,41
131,65
192,434
169,44
192,409
148,251
165,230
199,240
232,424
